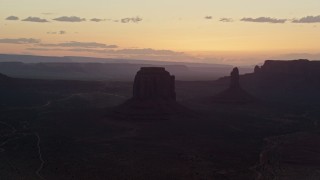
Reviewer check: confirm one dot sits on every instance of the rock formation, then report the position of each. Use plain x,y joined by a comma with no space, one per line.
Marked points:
234,79
257,69
234,94
297,75
154,96
154,83
301,67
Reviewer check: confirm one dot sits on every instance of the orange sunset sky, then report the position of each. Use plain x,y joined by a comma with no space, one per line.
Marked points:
240,32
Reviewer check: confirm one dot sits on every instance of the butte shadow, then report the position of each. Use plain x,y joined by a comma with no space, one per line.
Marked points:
154,97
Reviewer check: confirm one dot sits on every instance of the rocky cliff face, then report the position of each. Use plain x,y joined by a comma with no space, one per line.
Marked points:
153,83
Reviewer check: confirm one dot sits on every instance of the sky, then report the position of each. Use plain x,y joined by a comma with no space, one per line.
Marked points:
239,32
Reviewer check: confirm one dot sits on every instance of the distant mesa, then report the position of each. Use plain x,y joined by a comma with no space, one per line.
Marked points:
154,96
296,75
234,94
301,67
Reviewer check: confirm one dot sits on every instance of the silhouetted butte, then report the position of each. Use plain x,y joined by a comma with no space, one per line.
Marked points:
154,96
234,94
154,83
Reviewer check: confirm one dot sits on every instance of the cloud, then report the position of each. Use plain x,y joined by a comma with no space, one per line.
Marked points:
127,52
148,51
69,19
44,49
20,41
59,32
308,19
134,20
12,18
145,51
226,20
264,20
208,17
48,13
80,45
35,19
97,20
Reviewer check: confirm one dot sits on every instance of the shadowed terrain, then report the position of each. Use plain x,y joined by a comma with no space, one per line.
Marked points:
59,129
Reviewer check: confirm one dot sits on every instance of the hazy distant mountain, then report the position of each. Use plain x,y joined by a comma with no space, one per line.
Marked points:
40,59
101,71
134,61
31,59
79,68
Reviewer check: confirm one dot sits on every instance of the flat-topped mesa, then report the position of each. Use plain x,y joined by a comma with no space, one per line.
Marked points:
234,79
301,67
154,83
153,98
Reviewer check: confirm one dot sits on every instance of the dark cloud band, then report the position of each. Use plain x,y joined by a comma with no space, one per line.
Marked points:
12,18
20,41
133,20
35,19
70,19
226,20
308,19
80,45
264,20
